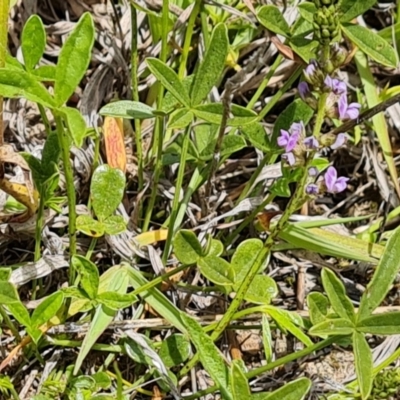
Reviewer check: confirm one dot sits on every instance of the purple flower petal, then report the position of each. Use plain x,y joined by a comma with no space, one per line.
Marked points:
289,158
338,86
283,139
312,189
353,110
292,142
341,184
341,139
311,143
310,69
312,171
342,105
328,82
303,90
330,179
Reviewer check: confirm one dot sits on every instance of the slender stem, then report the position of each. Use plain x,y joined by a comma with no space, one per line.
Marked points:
92,246
69,179
178,188
135,95
188,39
9,323
3,51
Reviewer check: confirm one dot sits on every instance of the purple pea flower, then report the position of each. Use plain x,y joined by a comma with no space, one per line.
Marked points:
312,189
311,143
297,128
341,139
303,89
351,111
312,171
337,86
287,140
289,158
310,70
333,183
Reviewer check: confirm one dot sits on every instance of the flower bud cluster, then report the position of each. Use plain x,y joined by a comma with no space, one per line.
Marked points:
326,24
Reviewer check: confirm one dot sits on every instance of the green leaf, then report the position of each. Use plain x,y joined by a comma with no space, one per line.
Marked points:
175,350
305,48
169,79
5,274
89,275
8,293
351,9
20,313
216,248
74,59
244,257
210,356
51,153
115,279
114,225
337,295
47,309
267,338
364,364
103,381
213,112
238,382
187,247
318,307
295,112
288,321
75,123
231,144
308,10
45,73
116,301
33,41
371,44
271,17
211,68
295,390
89,226
381,324
384,275
334,326
217,270
180,119
261,290
106,190
256,135
18,83
127,109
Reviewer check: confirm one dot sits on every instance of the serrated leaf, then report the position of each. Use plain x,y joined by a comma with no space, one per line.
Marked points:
75,123
89,226
18,83
169,79
318,307
364,364
384,275
337,295
33,41
106,190
381,324
371,44
127,109
211,68
351,9
217,270
213,112
74,59
187,247
89,275
175,350
210,356
256,135
272,19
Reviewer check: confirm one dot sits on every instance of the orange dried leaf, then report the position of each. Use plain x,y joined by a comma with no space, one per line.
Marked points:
113,132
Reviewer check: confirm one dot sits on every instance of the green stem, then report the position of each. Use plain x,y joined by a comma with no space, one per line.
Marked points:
69,180
178,187
188,39
91,248
9,323
3,51
135,95
281,361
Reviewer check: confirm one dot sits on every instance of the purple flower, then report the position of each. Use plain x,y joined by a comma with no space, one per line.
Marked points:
289,158
312,189
312,171
311,70
337,86
351,111
297,128
287,140
341,139
303,89
311,143
333,183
